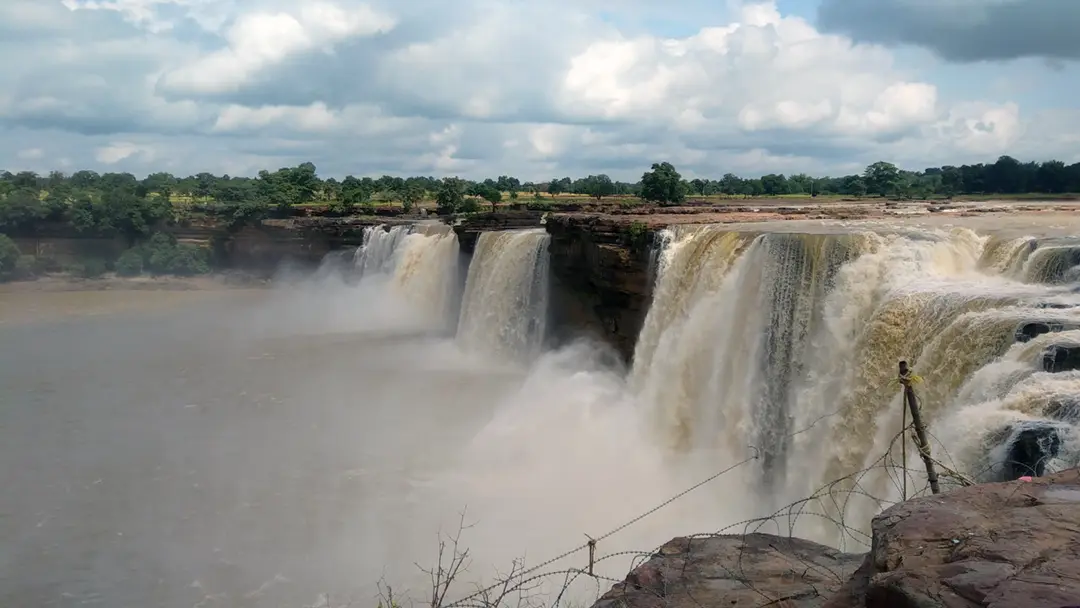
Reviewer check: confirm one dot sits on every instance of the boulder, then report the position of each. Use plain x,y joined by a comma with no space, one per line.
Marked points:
997,545
1030,447
1031,330
734,570
1061,358
1064,409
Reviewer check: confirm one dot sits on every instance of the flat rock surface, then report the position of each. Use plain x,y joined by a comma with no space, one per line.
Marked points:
1000,545
737,571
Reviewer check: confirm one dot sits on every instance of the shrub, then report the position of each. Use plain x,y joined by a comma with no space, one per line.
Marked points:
163,255
130,263
470,204
9,254
94,268
26,267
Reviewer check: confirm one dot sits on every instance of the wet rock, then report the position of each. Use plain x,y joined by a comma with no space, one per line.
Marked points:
1000,545
470,227
1055,305
1030,448
1061,358
1029,331
735,570
600,282
1065,410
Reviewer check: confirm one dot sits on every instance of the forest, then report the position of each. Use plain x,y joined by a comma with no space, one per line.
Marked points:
121,204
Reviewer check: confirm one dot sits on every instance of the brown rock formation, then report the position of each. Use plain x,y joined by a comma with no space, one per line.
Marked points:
738,571
1001,545
470,227
600,284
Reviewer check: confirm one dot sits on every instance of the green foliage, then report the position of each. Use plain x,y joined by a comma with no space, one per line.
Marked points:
161,254
450,197
539,205
470,204
599,186
88,268
411,197
491,195
121,204
882,178
9,255
663,185
26,267
129,264
637,233
21,210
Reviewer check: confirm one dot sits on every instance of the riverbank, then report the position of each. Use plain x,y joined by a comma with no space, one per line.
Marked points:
63,296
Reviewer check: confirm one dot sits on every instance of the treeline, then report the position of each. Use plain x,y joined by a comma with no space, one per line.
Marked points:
138,210
122,204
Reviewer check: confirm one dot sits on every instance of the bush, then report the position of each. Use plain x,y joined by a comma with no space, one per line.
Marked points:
470,204
89,268
9,254
130,263
163,255
26,267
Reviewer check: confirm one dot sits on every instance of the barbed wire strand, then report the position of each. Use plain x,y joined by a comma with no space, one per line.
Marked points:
832,510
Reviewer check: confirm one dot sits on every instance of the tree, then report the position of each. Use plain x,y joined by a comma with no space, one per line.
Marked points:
599,186
491,195
952,181
699,185
9,255
451,196
882,178
555,187
853,185
774,184
662,184
411,197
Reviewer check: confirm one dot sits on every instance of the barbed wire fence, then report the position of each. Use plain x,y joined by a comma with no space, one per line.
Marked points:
520,586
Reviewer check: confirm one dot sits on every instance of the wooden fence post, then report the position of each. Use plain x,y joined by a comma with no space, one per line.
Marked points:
920,430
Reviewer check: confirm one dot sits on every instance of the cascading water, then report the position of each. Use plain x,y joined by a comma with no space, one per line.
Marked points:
375,255
789,343
420,261
504,307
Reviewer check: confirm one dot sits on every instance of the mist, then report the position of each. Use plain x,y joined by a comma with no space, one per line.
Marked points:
297,445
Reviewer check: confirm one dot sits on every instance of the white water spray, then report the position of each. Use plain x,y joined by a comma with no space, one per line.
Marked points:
789,343
504,308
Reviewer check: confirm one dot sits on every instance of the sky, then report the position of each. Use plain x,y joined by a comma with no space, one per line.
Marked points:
535,88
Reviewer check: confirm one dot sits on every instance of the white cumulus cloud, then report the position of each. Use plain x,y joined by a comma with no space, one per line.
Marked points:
481,87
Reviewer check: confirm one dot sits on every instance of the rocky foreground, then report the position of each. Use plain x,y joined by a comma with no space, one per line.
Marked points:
1001,545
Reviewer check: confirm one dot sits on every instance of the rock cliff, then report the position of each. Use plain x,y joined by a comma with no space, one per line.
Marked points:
600,283
468,229
1002,545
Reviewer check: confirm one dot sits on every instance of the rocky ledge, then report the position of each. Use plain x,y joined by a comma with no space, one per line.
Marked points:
1000,545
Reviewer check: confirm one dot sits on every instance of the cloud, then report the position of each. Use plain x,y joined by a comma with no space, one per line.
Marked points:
259,40
479,88
121,150
962,30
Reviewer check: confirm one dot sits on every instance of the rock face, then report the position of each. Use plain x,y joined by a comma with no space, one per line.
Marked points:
1061,358
737,571
469,229
998,545
600,283
1001,545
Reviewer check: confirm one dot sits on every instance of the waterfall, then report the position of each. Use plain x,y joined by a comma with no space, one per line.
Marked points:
376,252
420,263
789,343
504,307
